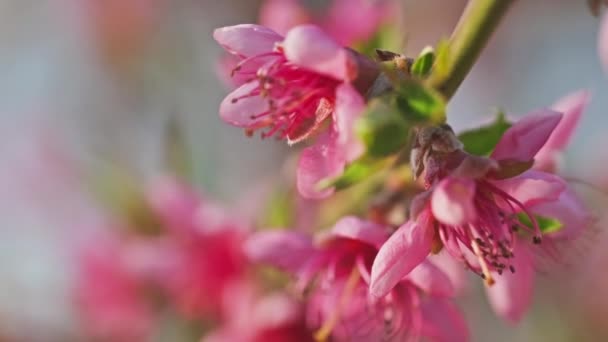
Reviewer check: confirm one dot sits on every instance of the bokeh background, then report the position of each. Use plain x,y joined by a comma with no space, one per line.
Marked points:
101,96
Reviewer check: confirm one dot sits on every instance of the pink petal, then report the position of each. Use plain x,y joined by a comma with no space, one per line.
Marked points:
274,310
602,44
454,270
226,65
511,295
526,137
452,201
309,47
174,203
431,280
570,211
282,15
572,106
399,255
241,111
349,107
283,249
247,39
320,161
368,15
533,187
351,227
442,321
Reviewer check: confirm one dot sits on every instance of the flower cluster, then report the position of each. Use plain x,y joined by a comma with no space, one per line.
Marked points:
489,200
489,213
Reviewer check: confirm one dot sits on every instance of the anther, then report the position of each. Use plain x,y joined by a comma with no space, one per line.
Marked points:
536,240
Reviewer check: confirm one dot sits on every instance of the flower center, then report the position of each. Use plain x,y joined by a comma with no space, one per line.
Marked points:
298,99
492,235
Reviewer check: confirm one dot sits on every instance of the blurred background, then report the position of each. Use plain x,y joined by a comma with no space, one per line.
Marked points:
100,97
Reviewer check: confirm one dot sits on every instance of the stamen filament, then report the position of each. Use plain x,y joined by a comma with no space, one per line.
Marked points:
323,333
482,262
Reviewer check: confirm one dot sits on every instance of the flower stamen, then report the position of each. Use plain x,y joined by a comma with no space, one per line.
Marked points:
323,333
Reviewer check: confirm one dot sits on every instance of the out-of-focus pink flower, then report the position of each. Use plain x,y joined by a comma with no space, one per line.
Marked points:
255,318
110,291
572,106
291,86
339,305
282,15
206,242
474,210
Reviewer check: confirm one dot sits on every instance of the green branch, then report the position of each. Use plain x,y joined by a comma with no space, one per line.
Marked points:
477,23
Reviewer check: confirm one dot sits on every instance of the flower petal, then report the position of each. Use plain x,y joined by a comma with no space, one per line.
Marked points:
533,187
351,227
282,15
430,279
288,251
442,321
570,211
526,137
368,15
572,106
452,201
309,47
174,203
349,107
511,295
240,109
454,269
320,161
246,39
399,255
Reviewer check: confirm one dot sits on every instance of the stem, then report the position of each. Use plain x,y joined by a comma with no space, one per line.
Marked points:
475,27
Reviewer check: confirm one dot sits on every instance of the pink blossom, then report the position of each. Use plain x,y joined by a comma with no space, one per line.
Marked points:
473,209
205,243
291,87
339,304
282,15
108,292
255,318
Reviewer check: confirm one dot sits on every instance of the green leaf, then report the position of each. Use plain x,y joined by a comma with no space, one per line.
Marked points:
382,130
354,173
419,103
481,141
546,224
423,64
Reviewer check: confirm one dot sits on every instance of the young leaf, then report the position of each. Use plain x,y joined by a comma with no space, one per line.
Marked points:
355,173
382,130
418,103
481,141
423,64
546,224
